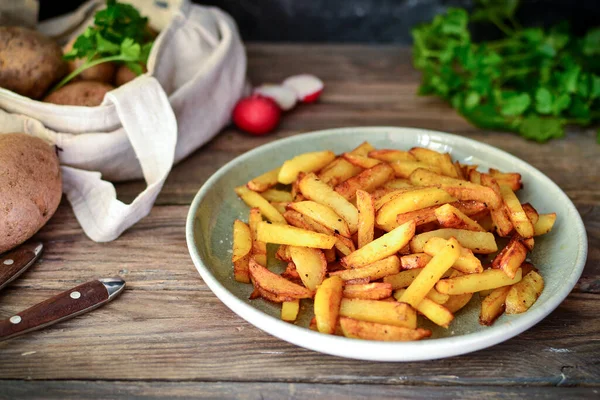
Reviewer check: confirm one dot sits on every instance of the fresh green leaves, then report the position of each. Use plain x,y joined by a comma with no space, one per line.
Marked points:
119,34
532,81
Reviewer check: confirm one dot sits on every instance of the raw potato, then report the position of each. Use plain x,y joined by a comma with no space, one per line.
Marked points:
104,72
81,93
30,187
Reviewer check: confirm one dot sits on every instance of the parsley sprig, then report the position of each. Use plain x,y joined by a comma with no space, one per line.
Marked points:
531,81
119,34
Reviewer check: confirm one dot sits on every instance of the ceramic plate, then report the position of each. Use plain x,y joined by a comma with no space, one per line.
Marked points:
560,255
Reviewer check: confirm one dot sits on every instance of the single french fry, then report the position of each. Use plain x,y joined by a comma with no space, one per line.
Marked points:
390,195
511,179
402,279
277,196
522,295
310,264
259,248
403,169
242,247
356,329
435,312
281,207
466,262
307,162
477,242
433,271
475,177
416,260
382,247
432,157
338,171
499,214
368,180
379,311
322,214
316,190
410,201
462,190
275,284
488,279
458,301
389,156
289,310
518,217
459,171
366,218
360,161
493,305
327,304
265,181
255,200
368,291
449,216
511,257
285,234
376,270
544,224
531,212
398,184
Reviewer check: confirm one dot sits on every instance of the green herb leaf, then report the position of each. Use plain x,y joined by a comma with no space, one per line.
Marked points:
515,104
591,42
541,129
543,101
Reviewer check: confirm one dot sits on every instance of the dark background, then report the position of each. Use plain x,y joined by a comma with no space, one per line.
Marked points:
366,21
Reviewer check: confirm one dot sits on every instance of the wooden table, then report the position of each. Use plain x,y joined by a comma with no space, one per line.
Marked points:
169,336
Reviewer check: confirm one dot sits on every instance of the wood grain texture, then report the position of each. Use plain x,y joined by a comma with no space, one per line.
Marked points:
264,390
169,326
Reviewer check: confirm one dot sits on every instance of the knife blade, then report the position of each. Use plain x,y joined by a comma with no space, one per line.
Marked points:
68,304
14,263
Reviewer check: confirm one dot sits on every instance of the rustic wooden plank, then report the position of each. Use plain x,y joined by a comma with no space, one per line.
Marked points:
271,390
169,325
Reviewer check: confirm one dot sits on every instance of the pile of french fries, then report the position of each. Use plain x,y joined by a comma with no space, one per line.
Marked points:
376,237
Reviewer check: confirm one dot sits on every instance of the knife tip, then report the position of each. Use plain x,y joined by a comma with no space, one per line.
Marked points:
37,250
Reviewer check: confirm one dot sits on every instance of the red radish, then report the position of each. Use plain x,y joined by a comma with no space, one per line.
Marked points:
282,95
256,114
308,88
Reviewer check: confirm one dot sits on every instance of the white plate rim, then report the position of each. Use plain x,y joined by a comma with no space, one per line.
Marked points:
373,350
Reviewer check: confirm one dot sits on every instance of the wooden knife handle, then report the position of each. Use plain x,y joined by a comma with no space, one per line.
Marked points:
14,263
71,303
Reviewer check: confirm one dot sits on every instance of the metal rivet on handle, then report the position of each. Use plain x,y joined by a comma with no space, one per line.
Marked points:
15,319
10,261
75,295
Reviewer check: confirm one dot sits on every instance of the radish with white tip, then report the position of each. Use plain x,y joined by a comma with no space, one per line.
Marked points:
308,87
284,96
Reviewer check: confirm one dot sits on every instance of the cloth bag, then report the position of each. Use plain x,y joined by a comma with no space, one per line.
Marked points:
196,74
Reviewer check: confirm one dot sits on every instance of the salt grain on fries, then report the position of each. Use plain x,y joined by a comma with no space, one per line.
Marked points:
376,237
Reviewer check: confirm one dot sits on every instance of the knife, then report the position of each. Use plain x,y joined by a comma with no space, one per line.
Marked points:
14,263
69,304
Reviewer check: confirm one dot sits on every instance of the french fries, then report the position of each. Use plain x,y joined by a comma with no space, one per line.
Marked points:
265,181
382,247
242,248
373,237
356,329
285,234
366,218
253,199
521,296
433,271
314,189
477,242
488,279
307,162
381,312
462,190
368,180
311,265
327,304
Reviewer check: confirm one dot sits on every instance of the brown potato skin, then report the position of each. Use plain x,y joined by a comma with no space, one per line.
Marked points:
125,75
104,72
80,93
29,62
30,187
